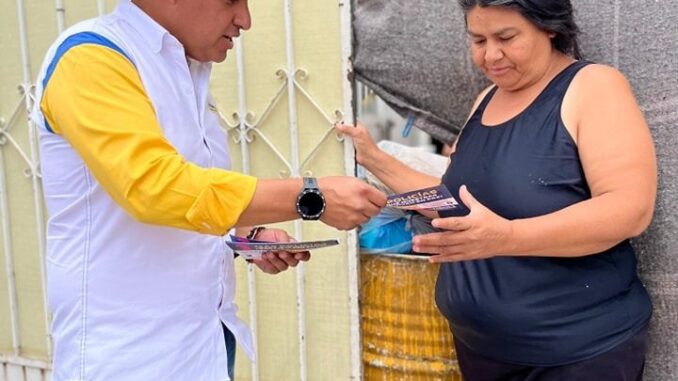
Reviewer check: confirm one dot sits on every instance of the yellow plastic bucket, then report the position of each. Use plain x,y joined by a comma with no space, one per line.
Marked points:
404,336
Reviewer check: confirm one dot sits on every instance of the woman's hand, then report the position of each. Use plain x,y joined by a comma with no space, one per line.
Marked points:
365,148
480,234
273,262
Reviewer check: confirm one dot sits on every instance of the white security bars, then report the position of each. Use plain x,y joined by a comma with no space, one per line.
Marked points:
14,366
244,128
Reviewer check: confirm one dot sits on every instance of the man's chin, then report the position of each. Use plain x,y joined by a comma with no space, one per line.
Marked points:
211,57
220,57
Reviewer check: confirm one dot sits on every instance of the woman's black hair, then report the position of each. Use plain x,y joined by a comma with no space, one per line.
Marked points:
554,16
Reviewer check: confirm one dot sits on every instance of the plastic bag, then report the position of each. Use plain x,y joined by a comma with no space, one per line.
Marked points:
391,231
386,233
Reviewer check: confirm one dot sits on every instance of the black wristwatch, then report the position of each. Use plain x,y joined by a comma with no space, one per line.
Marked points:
310,201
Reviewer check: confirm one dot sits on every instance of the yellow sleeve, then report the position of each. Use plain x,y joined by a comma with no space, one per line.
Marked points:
96,101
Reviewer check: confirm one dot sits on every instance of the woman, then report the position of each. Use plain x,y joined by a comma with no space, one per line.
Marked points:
556,170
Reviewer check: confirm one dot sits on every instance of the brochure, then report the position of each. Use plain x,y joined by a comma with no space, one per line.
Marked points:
433,198
252,249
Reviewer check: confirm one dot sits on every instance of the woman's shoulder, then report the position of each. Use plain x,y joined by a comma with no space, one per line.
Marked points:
595,74
596,83
594,88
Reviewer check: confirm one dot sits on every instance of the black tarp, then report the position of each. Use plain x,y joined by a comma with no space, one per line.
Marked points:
414,56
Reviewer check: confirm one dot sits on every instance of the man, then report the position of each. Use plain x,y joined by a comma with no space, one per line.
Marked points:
139,196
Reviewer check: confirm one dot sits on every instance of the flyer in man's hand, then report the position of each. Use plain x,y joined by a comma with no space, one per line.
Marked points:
433,198
252,249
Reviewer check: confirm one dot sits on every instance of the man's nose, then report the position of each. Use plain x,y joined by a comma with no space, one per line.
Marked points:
243,19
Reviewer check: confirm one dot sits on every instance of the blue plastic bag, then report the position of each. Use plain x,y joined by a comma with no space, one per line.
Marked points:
387,232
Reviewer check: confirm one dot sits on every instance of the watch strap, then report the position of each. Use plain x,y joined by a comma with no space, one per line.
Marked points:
310,183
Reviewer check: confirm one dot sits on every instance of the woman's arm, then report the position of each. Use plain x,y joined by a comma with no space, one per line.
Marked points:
618,157
388,169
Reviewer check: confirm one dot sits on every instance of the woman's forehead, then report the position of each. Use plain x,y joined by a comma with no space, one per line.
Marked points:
494,19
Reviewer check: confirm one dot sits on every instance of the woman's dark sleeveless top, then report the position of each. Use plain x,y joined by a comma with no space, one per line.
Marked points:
535,310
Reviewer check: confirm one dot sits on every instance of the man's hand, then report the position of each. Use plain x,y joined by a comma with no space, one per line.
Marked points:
273,262
349,201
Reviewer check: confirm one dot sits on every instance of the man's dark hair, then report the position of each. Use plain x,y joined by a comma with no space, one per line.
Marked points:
556,16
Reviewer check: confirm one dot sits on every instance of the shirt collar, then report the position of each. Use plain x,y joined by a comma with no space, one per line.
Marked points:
152,33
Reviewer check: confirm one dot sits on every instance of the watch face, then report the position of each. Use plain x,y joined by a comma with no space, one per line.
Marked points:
311,204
